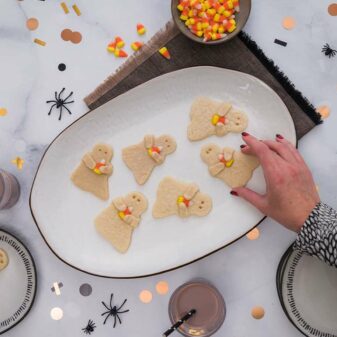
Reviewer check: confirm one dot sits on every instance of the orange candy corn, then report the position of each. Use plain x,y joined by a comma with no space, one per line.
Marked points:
141,30
164,52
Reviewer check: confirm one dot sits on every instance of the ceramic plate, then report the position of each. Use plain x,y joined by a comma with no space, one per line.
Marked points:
17,282
64,214
307,289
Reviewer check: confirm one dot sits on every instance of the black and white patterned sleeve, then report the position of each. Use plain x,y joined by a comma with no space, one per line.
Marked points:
318,235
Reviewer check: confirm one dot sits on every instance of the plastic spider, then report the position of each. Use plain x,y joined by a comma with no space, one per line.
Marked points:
113,311
328,51
89,328
60,103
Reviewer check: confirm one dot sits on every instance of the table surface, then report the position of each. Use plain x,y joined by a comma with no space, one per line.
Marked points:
243,272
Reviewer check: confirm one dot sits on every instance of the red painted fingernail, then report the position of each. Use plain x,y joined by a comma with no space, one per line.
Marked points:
243,146
279,136
244,134
234,193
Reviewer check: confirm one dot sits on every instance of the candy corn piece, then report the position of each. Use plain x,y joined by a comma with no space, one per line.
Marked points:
111,47
136,45
141,30
120,53
164,52
119,42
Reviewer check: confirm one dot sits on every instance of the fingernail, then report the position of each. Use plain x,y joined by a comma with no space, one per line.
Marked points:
243,146
234,193
279,136
244,134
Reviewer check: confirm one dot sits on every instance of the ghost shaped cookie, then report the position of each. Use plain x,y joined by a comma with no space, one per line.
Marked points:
142,158
180,198
93,172
3,259
232,167
117,222
210,118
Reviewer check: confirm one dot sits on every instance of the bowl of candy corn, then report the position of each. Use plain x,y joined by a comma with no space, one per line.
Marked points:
210,21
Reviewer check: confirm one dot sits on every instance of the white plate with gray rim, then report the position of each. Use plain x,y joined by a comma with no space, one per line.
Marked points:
64,214
17,282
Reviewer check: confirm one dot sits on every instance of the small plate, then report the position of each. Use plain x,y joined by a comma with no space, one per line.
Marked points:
307,289
17,282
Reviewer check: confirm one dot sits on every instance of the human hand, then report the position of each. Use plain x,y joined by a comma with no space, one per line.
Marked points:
291,193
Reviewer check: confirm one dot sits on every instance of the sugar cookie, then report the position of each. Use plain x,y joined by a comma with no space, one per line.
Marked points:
94,170
142,158
3,259
117,222
183,199
232,167
210,117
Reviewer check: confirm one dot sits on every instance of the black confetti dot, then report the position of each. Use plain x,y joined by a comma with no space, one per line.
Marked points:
62,67
85,289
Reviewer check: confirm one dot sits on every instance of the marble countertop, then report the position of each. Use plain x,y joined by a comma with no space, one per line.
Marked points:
243,272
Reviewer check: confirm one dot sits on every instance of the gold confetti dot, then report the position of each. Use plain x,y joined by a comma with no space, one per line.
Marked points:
56,313
162,287
253,234
32,23
332,9
145,296
18,162
324,111
257,312
3,112
288,22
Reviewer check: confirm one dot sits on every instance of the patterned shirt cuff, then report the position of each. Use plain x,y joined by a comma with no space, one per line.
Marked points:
318,235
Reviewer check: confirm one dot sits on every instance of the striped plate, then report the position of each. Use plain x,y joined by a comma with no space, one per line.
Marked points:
17,282
307,289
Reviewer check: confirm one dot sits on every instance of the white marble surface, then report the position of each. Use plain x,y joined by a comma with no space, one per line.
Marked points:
245,271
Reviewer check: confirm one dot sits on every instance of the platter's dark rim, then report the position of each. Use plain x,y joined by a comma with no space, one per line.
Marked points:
187,33
279,280
163,271
35,284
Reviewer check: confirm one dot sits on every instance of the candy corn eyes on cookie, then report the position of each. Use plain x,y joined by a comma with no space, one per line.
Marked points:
175,197
94,170
117,222
209,117
143,157
233,167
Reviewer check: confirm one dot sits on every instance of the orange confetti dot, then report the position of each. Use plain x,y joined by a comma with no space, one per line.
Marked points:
145,296
3,112
288,22
162,287
324,111
257,312
253,234
332,9
32,23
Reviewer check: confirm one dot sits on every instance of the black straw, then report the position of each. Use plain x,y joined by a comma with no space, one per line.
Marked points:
179,323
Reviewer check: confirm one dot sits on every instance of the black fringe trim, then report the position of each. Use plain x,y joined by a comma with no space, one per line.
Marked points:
288,86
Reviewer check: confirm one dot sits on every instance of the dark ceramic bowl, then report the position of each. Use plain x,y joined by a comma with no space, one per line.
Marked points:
241,19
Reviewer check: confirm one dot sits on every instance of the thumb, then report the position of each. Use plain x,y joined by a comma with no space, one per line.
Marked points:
257,200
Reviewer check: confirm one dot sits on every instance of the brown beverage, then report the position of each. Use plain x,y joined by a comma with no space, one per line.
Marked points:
9,190
208,303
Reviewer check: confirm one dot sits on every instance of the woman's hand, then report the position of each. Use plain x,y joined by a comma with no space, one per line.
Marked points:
291,193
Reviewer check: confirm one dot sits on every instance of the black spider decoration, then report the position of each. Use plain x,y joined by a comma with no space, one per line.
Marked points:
89,329
113,311
328,51
60,103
